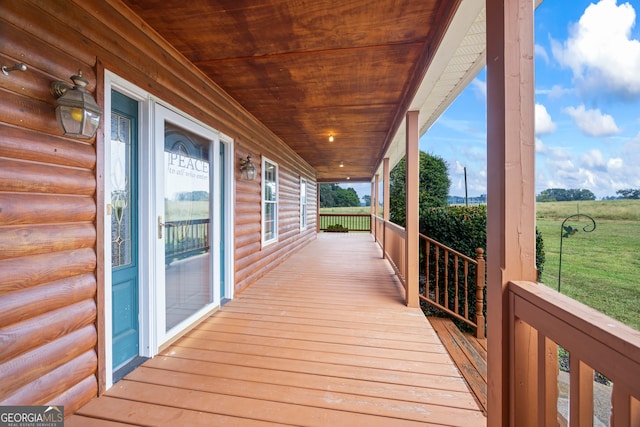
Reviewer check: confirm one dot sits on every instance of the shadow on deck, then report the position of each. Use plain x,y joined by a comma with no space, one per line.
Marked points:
323,340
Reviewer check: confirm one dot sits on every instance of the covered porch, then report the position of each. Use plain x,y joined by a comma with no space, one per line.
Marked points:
323,339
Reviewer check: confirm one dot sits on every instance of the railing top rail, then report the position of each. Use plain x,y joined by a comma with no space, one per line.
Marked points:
582,322
346,214
395,228
459,254
188,222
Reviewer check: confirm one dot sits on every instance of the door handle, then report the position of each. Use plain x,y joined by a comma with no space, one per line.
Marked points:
160,227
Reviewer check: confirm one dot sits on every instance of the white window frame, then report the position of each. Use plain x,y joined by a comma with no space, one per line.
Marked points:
303,204
275,203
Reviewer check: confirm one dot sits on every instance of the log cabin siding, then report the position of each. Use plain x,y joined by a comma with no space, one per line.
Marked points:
51,198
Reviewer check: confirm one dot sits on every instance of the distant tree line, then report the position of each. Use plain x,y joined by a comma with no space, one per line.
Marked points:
334,196
629,193
564,195
194,196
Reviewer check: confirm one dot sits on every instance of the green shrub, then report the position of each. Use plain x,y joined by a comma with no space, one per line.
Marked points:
337,228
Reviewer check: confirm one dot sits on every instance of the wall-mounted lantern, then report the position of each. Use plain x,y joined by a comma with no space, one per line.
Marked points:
247,169
77,112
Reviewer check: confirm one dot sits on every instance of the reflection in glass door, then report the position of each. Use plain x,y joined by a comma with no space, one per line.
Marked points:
187,224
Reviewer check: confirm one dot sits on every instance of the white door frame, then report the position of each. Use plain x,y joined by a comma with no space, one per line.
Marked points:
162,115
149,148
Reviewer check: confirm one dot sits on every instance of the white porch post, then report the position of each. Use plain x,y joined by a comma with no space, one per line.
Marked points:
412,210
511,187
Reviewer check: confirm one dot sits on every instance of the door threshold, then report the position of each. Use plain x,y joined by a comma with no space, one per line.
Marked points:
126,369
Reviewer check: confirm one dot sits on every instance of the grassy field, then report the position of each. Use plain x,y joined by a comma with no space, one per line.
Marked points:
602,268
347,210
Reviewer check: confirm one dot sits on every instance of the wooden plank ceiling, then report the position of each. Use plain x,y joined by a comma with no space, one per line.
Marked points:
308,69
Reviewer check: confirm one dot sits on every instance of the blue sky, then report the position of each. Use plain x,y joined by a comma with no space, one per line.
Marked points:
587,70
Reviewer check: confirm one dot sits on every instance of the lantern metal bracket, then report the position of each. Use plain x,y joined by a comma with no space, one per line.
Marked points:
18,67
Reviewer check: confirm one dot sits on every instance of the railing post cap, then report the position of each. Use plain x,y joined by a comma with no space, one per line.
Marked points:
479,251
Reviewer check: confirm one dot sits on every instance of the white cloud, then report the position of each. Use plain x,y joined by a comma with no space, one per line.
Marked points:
593,122
556,92
541,52
480,87
459,167
593,170
615,164
543,124
601,52
540,147
593,159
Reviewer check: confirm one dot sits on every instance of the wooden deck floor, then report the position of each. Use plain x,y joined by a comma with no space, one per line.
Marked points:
323,340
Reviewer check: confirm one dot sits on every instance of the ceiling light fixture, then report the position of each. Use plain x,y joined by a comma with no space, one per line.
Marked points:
330,137
341,164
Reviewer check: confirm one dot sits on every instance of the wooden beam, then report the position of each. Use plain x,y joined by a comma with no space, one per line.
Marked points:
511,186
412,209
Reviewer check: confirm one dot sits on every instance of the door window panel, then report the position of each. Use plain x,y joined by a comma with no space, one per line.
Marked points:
187,184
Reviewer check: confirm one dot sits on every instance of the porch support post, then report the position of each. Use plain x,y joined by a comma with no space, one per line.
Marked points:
373,198
511,188
412,220
318,208
377,190
374,228
385,191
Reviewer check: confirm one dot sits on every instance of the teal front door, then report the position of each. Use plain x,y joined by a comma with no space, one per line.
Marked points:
122,148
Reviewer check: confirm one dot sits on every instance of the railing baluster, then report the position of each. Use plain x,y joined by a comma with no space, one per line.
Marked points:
352,222
446,278
547,381
580,393
437,271
466,288
480,284
427,259
185,238
625,412
456,284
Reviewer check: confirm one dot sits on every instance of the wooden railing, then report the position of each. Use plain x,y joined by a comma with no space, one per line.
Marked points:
186,238
351,222
540,320
454,282
391,238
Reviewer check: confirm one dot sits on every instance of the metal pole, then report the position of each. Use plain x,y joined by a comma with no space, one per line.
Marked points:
466,195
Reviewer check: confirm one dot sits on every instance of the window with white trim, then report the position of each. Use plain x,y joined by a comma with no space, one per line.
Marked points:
269,201
303,203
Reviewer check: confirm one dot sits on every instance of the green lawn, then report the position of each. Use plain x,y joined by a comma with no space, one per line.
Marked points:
602,268
347,210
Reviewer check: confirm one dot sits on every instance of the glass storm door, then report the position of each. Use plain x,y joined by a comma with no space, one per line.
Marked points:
185,222
124,229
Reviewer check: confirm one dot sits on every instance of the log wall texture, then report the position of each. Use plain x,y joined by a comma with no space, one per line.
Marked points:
52,212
